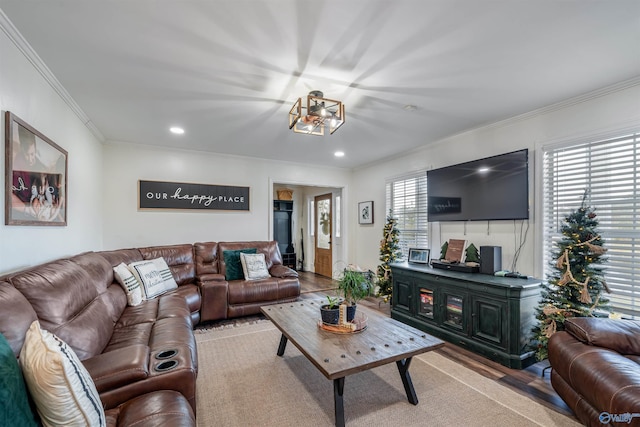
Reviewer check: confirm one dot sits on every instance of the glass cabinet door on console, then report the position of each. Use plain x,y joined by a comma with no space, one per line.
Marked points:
426,303
454,307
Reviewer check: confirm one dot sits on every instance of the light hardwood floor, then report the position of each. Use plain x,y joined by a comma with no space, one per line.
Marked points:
529,382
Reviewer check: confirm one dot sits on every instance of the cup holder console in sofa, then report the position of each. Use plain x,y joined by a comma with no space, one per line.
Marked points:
166,354
167,365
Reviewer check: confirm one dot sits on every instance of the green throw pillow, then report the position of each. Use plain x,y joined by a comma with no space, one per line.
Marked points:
14,401
233,265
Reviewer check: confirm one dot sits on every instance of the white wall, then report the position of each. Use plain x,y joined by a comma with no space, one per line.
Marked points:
589,115
26,93
126,226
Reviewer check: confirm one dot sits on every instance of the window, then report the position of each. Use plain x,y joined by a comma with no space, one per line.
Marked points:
407,199
610,170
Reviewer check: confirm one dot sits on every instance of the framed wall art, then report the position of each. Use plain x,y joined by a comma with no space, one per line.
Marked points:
365,212
35,176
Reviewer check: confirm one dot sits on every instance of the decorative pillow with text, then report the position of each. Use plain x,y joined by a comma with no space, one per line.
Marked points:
155,276
254,266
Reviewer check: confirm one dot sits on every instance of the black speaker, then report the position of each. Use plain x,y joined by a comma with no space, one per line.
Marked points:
490,259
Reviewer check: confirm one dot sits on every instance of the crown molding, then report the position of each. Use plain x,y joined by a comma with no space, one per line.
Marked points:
23,46
579,99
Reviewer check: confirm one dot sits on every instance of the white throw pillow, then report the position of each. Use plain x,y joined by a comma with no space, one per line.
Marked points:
60,385
254,266
129,283
155,276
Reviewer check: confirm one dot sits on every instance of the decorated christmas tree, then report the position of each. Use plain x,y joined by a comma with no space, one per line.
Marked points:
389,252
575,287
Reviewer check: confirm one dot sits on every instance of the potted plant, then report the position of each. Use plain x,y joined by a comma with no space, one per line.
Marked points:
354,285
330,311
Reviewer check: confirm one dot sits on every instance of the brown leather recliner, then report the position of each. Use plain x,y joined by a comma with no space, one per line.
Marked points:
596,369
222,299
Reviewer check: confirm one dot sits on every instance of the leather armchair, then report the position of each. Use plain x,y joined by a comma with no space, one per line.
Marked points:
596,369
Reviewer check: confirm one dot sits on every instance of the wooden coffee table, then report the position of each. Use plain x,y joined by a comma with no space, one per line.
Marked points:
337,355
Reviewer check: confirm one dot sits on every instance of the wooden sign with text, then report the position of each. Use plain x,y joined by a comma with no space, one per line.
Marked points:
176,195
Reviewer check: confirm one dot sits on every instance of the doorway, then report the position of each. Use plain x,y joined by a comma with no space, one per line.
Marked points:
323,234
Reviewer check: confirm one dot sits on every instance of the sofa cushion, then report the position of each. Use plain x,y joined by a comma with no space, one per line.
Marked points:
254,266
14,401
155,277
61,387
615,334
233,266
129,283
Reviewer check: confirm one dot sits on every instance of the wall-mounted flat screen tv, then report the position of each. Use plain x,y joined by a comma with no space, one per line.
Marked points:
495,188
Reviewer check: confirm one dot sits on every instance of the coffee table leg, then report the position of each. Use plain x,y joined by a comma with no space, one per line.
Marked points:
403,368
283,344
338,392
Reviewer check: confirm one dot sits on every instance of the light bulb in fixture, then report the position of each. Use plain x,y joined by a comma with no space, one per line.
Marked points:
176,130
339,154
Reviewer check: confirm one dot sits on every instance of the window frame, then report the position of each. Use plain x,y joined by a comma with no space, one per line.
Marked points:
420,234
621,233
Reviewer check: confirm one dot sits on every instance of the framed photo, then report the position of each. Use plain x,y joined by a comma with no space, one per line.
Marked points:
419,256
365,212
35,176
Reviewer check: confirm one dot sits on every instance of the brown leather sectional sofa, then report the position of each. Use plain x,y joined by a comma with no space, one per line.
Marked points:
121,346
596,369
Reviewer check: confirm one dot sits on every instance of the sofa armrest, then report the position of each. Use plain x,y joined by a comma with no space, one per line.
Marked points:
214,300
281,271
210,277
617,335
118,367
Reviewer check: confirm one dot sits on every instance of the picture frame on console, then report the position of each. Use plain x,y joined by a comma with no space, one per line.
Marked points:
419,256
365,212
35,176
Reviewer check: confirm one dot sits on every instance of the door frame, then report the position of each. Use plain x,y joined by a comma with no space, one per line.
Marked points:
340,246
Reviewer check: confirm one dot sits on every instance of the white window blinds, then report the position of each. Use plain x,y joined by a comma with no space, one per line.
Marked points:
610,171
407,198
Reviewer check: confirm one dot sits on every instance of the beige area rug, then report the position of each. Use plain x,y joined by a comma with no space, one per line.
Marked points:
242,382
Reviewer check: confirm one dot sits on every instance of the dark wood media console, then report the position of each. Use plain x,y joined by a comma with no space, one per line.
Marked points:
491,316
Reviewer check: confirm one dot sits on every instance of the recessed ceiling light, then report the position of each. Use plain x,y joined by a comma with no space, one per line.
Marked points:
176,130
339,154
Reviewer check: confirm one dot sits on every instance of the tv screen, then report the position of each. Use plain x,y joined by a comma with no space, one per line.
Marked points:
495,188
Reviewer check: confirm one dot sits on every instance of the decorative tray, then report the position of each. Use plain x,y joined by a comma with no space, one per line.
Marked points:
358,324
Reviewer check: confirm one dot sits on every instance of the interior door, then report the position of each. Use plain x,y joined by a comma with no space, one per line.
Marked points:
322,232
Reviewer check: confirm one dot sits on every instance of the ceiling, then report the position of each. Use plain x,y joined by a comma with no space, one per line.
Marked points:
228,71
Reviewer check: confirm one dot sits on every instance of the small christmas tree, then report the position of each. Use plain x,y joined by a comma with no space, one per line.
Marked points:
389,252
575,287
443,250
471,253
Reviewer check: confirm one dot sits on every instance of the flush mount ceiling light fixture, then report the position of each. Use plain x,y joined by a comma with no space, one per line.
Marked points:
319,112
